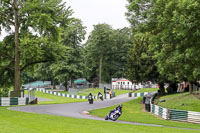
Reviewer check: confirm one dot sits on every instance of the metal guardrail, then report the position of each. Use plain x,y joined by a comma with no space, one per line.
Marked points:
160,111
137,94
176,115
194,117
171,114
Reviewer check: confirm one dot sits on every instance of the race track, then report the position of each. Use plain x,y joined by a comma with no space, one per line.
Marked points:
80,109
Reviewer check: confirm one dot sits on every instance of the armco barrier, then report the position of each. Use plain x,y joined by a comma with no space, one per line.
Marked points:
194,117
171,114
160,111
138,94
185,116
64,95
8,101
176,115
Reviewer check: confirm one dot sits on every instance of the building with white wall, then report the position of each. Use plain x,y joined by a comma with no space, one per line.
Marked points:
122,83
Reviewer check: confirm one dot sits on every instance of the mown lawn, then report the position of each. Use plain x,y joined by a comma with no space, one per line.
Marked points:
132,111
181,101
55,99
20,122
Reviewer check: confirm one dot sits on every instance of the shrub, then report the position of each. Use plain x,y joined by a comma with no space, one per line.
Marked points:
4,92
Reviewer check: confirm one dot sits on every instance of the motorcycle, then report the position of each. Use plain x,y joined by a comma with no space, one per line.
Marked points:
90,99
114,114
100,96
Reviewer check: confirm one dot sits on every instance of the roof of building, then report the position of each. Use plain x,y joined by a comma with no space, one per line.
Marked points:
120,79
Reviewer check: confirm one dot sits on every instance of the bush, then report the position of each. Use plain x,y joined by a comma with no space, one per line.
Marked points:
4,92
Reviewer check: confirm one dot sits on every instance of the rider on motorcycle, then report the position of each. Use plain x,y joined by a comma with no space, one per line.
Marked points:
90,98
100,96
116,108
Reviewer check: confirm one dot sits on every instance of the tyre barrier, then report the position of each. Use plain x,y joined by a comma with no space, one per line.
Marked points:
8,101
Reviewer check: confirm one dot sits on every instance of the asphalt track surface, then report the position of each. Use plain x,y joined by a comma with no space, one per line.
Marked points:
81,109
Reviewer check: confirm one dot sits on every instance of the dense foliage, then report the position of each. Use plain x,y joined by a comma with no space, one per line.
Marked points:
36,36
173,28
106,52
44,42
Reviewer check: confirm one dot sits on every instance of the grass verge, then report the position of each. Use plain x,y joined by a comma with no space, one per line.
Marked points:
181,101
55,99
20,122
132,111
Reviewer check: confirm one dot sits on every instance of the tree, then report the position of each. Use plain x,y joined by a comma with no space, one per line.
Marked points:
141,66
98,45
179,40
174,36
36,33
71,65
115,50
117,57
137,64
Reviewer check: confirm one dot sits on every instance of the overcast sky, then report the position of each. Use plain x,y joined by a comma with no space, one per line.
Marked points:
93,12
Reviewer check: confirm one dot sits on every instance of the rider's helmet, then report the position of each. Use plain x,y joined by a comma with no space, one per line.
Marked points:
120,106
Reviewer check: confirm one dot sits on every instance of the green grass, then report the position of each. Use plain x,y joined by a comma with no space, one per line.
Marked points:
132,111
95,92
181,101
146,90
20,122
55,99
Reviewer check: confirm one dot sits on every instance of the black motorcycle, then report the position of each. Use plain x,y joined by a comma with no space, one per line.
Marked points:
90,98
114,114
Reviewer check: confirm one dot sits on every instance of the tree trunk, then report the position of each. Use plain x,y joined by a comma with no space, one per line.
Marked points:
190,88
53,83
172,88
17,58
72,82
161,89
65,84
100,68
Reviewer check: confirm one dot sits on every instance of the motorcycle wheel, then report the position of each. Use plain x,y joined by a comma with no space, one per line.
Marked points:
91,101
115,117
106,118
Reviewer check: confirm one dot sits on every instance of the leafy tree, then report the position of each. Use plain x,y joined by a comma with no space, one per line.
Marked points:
180,41
97,46
71,65
141,66
115,49
36,34
174,36
118,53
